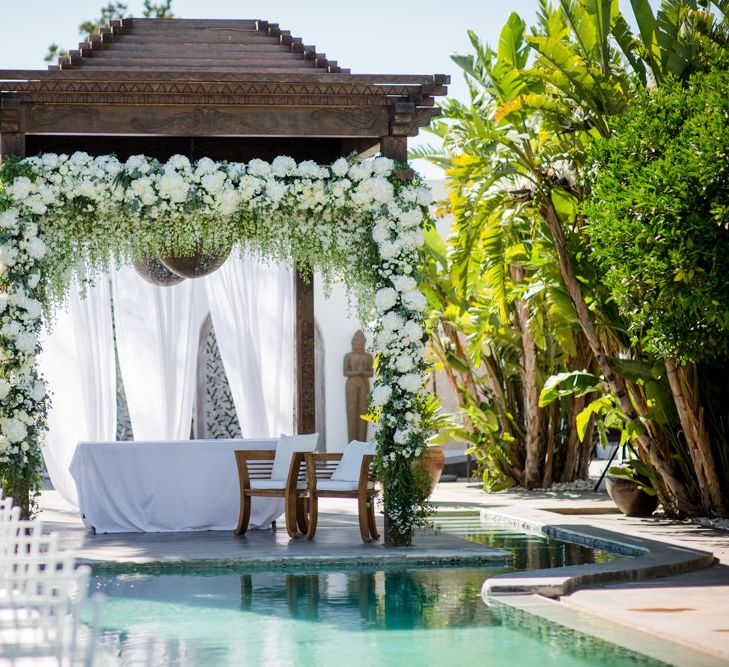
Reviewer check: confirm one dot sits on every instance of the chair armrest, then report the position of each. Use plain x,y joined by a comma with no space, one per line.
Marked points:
325,468
296,472
365,471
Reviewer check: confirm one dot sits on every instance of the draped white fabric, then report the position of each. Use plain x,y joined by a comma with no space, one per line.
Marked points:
251,306
78,363
158,332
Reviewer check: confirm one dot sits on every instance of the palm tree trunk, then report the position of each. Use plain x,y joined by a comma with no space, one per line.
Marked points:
691,416
532,465
662,465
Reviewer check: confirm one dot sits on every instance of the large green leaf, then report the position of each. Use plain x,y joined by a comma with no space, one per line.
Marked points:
576,383
512,47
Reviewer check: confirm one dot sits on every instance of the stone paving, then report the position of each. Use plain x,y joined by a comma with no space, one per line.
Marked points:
337,542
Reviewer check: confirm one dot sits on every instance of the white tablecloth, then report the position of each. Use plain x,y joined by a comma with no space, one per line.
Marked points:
165,486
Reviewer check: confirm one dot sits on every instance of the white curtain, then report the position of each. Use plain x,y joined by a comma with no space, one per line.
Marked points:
251,306
158,331
78,363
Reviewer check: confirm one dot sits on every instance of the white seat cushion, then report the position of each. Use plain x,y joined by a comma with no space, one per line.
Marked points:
273,484
287,445
339,485
351,463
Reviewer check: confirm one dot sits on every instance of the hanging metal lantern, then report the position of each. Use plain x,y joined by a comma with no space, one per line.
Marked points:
153,271
197,265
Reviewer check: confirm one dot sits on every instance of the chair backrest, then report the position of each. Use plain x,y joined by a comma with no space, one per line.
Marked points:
348,469
287,445
8,511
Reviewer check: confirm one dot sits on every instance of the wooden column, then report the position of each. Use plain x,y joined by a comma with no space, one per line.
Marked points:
305,409
396,148
12,143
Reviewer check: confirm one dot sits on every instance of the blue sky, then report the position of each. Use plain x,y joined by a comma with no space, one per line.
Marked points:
375,36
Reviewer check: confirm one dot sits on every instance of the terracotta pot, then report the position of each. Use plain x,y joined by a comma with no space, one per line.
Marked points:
197,265
153,271
433,462
629,497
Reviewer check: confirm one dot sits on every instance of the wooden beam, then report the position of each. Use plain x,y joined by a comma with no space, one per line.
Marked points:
205,120
305,410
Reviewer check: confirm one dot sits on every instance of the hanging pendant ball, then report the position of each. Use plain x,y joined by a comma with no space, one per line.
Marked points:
153,271
199,264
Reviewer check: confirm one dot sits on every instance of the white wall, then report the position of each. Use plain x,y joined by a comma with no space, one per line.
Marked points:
337,326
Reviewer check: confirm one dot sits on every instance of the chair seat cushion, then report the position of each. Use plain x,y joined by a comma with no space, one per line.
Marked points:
339,485
258,484
351,462
287,445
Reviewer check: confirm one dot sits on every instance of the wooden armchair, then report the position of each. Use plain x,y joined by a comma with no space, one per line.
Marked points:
319,470
254,474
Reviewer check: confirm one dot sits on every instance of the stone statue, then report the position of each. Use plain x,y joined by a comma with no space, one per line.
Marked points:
358,371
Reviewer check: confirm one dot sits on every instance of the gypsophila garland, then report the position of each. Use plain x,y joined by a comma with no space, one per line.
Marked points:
354,221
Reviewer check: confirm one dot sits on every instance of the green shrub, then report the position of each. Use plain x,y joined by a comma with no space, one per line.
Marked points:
658,216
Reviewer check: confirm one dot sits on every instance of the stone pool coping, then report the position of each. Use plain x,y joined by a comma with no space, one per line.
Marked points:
649,558
585,623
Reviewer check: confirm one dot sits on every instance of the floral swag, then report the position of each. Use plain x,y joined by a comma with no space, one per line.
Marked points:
355,221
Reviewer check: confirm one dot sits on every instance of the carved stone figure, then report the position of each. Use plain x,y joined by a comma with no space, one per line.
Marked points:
358,371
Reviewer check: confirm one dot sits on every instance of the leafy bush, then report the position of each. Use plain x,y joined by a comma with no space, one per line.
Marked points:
659,217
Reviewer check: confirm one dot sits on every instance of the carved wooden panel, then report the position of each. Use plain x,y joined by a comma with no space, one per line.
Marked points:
205,120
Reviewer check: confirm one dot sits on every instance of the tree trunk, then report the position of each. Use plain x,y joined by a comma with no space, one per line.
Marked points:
571,464
574,289
532,414
691,416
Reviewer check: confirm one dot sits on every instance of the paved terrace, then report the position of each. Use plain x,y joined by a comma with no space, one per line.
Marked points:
691,608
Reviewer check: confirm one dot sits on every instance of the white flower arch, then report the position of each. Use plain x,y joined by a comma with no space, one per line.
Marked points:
353,221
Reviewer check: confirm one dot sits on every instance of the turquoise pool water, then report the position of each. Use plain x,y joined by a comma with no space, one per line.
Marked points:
389,616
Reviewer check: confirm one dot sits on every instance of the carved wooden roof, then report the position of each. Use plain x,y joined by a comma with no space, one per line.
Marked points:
208,78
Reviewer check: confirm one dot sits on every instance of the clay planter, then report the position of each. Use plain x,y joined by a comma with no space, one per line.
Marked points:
433,463
197,265
629,497
153,271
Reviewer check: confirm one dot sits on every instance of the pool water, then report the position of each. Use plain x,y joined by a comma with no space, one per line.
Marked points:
389,616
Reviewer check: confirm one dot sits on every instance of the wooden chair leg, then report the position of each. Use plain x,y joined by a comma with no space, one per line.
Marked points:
371,520
245,515
313,517
364,522
290,514
301,519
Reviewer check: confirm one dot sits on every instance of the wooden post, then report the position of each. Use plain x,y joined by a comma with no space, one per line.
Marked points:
304,353
12,143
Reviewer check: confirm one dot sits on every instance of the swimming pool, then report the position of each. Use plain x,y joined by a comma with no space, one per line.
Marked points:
383,615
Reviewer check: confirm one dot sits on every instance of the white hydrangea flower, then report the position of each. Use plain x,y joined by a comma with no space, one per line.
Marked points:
360,170
392,322
173,186
411,218
283,165
11,330
204,166
229,202
4,388
13,429
31,281
136,162
413,330
385,299
390,249
411,382
20,188
383,166
424,196
178,162
50,160
404,363
26,342
401,436
213,181
415,300
9,219
404,283
258,167
309,169
275,191
340,167
381,395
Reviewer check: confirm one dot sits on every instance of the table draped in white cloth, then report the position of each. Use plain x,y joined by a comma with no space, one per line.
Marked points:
165,486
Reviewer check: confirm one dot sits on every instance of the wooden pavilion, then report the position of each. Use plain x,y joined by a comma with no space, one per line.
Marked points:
225,89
